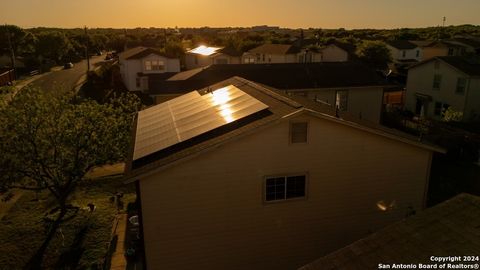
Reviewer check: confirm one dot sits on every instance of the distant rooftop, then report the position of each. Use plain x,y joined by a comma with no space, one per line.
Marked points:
204,50
140,52
275,49
451,228
402,44
292,76
469,65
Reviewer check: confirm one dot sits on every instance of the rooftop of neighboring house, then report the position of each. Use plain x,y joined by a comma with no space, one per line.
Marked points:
448,229
205,50
422,43
470,65
402,44
468,41
275,49
231,51
292,76
141,52
272,106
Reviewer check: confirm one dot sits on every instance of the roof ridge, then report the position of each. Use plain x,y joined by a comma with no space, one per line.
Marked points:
270,92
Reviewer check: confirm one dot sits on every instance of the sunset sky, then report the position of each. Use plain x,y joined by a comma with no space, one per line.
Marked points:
196,13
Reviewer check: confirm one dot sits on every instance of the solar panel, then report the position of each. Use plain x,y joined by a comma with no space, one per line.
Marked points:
190,115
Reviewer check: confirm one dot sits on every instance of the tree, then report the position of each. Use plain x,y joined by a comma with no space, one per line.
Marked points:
53,45
375,53
49,142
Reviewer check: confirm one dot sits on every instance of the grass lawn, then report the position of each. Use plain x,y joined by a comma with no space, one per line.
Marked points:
80,243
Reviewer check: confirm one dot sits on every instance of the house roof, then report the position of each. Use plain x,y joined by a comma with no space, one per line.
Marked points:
280,108
470,65
402,44
468,41
448,229
422,43
205,50
140,52
275,49
231,51
292,76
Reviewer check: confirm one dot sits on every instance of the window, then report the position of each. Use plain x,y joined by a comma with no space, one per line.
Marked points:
437,80
441,108
258,57
450,51
461,84
281,188
154,65
404,53
418,53
341,100
249,60
137,82
298,132
263,57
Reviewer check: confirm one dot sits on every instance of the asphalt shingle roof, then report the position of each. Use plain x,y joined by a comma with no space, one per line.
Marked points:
282,76
402,44
140,52
279,106
451,228
275,49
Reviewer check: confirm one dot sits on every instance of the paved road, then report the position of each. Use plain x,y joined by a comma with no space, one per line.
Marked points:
66,79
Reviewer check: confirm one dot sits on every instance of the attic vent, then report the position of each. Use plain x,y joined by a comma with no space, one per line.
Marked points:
298,132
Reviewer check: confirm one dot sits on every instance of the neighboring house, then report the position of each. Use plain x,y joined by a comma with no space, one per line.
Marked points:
138,63
437,84
329,53
350,86
404,52
432,49
203,56
238,176
272,53
450,228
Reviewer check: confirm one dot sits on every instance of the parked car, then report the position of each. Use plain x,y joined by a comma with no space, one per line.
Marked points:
68,65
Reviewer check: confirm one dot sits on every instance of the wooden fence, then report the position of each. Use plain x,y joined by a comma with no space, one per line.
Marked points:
7,77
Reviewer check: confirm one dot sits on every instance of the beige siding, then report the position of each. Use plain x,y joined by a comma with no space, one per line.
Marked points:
363,102
472,104
201,60
208,212
333,53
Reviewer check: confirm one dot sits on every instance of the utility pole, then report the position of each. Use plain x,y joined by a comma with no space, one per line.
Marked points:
86,50
12,52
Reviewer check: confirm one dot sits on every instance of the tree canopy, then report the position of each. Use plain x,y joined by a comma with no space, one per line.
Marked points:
50,142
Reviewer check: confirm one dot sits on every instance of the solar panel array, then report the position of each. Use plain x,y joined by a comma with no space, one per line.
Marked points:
190,115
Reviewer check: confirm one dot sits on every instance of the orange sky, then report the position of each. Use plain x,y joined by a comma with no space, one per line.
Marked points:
196,13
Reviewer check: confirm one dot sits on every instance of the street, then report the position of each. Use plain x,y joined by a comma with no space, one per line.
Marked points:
66,79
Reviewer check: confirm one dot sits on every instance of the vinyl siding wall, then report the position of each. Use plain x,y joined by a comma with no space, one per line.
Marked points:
420,80
363,102
208,212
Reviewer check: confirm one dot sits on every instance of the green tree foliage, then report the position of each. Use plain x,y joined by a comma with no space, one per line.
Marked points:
53,45
49,142
375,53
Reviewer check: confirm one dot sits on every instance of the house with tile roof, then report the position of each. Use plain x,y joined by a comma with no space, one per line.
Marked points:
139,62
448,229
240,176
350,86
445,82
404,52
203,56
